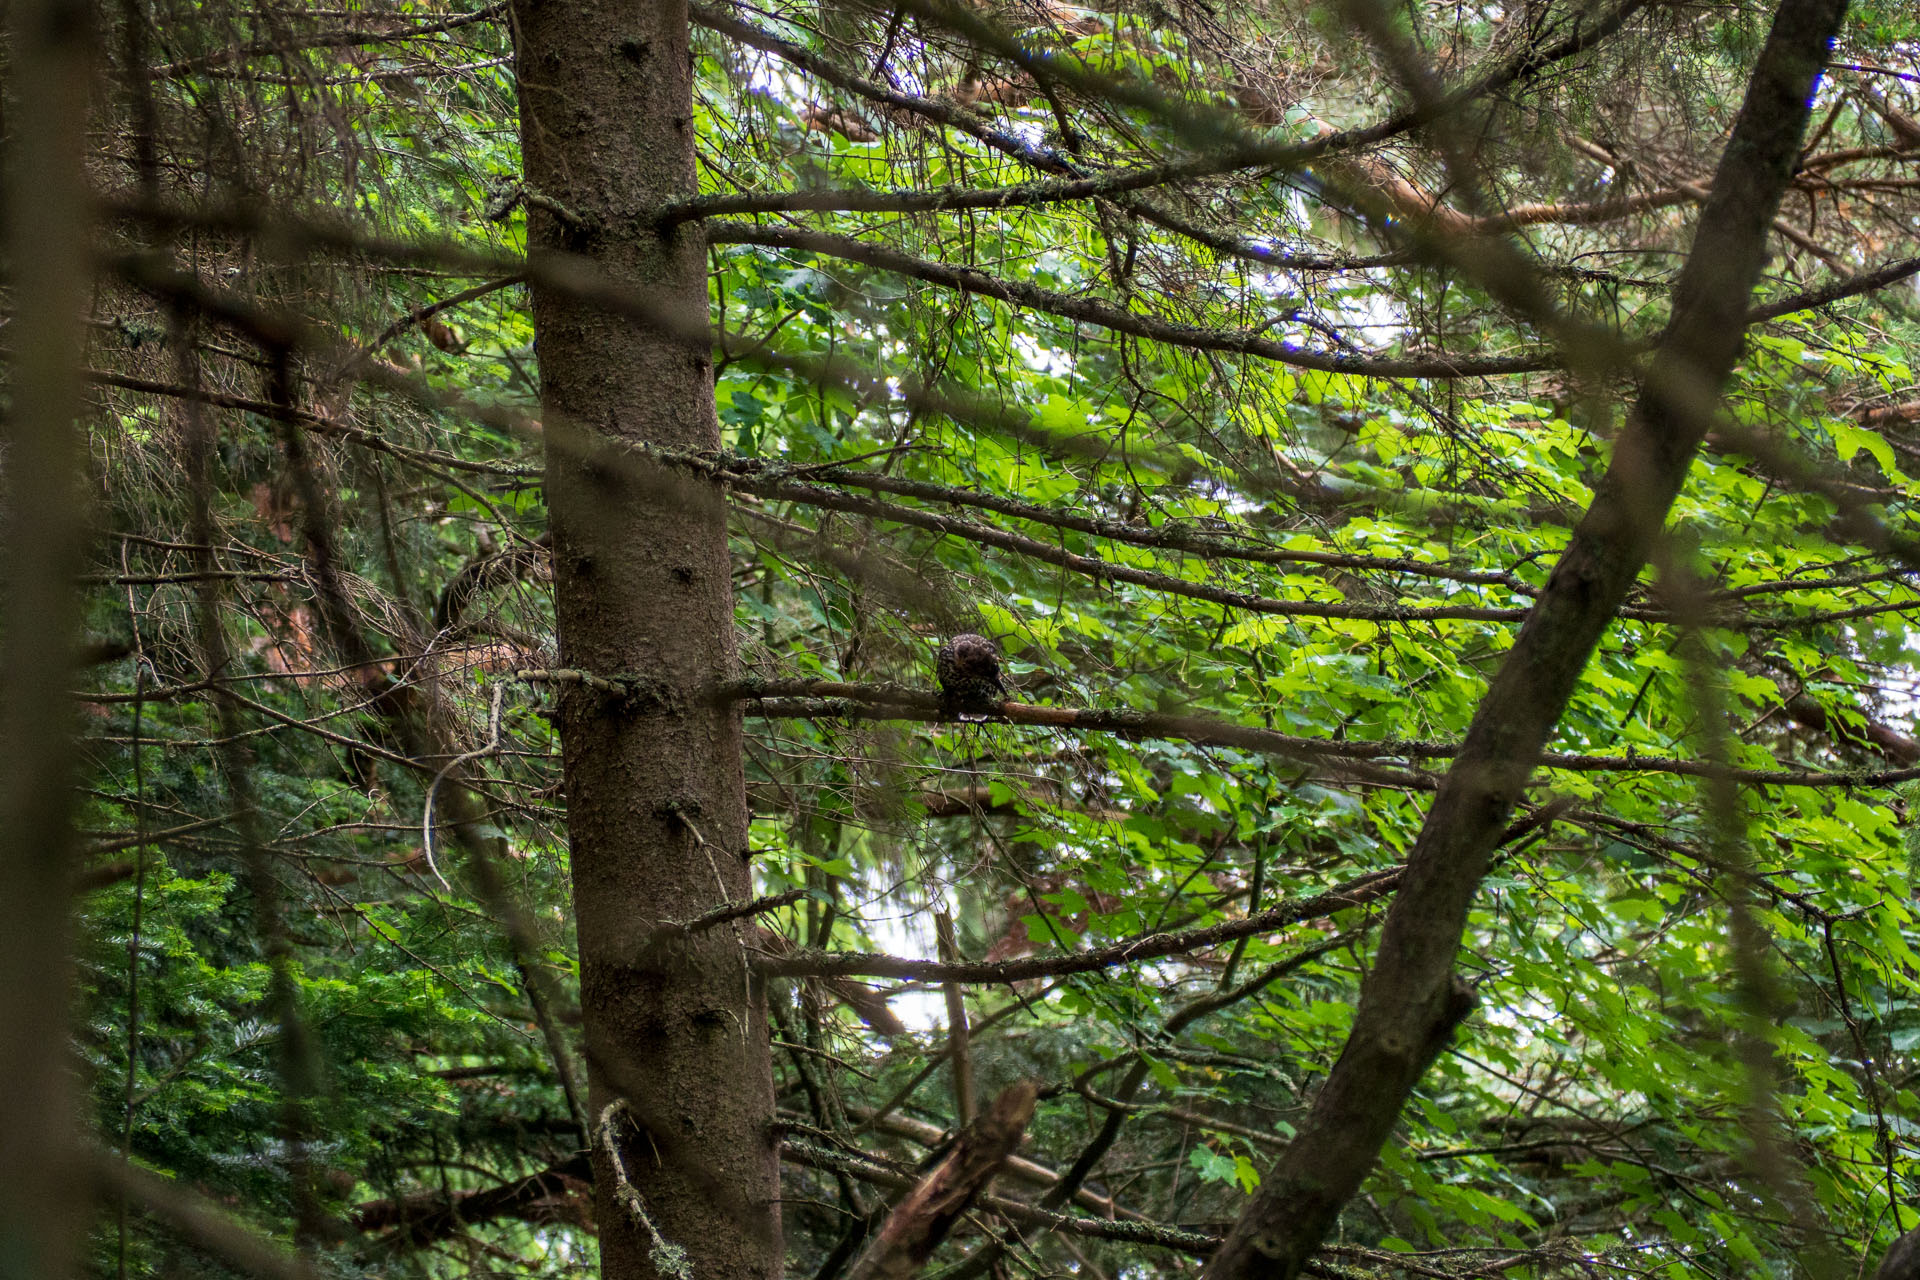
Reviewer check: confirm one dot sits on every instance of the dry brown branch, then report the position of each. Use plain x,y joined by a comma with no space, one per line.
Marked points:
551,1195
922,1220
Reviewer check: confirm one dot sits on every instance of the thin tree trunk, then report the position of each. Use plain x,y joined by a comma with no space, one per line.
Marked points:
1411,1001
656,798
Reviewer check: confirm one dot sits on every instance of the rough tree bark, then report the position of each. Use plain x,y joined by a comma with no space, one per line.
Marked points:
1902,1260
922,1218
43,1201
656,800
1411,1000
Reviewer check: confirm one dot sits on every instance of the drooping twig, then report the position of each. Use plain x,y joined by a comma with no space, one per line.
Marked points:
668,1258
426,809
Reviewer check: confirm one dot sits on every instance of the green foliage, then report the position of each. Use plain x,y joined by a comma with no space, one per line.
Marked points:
1600,1110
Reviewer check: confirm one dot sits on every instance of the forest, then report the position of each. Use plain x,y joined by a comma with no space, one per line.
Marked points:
981,639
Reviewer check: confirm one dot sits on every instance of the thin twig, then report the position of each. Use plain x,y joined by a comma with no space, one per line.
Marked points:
426,813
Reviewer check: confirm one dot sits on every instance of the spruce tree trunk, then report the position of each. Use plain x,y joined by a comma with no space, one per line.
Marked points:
656,799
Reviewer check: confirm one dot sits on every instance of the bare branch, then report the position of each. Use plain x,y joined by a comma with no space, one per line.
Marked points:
929,1211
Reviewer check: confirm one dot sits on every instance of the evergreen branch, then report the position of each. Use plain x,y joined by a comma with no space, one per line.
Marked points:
829,699
1018,293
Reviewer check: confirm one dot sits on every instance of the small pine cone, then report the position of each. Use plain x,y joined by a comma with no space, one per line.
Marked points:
969,670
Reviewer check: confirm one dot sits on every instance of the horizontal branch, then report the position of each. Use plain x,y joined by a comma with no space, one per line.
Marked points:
898,702
1116,319
730,911
1250,342
1406,198
774,483
1581,214
556,1194
778,480
951,198
1245,154
1846,287
1170,536
870,1171
290,233
1108,571
205,575
745,472
829,699
811,961
311,421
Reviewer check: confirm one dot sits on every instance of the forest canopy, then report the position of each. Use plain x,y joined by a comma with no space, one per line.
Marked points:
490,494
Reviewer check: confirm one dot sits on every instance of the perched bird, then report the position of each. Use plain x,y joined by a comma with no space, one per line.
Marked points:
969,670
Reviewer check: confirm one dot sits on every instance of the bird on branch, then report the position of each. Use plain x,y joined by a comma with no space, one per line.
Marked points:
970,685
